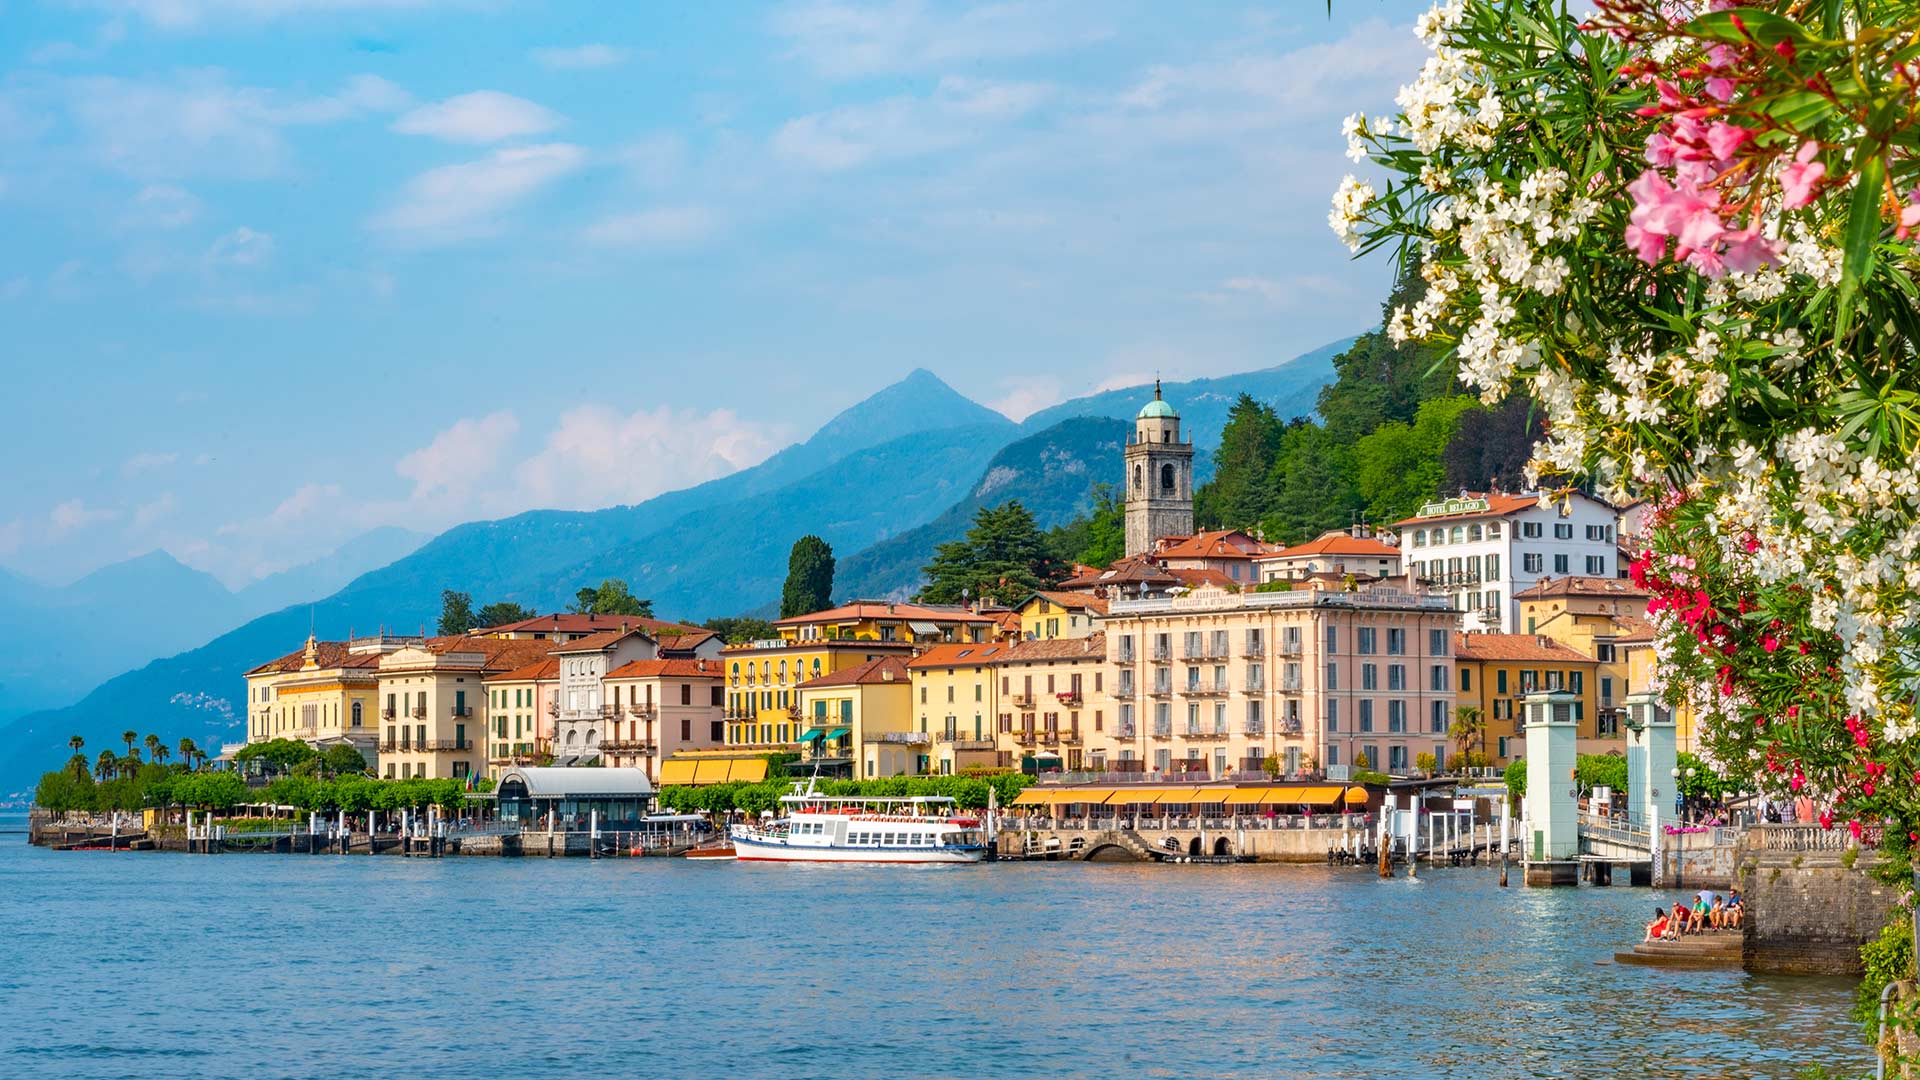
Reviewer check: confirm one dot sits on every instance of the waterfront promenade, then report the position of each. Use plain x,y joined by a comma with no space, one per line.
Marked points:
263,968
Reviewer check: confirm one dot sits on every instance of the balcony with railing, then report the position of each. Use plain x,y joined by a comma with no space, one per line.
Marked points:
900,738
1163,731
1204,651
1196,688
1021,700
1255,685
1197,732
425,746
1161,689
1287,726
1162,653
960,740
629,746
1070,736
1255,728
387,714
1289,684
1069,698
1123,731
463,712
1125,654
419,712
1290,648
641,710
1024,736
1254,649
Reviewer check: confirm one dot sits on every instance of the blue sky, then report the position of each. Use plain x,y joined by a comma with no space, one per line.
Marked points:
280,271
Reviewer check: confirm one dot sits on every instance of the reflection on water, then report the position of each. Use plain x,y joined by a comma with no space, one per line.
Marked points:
261,966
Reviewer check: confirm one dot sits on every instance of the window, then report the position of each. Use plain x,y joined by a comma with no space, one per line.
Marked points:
1562,530
1333,718
1559,564
1366,714
1419,538
1333,639
1457,534
1500,681
1396,759
1439,720
1596,566
1333,676
1533,562
1576,681
1493,568
1437,678
1466,680
1166,478
1396,676
356,714
1396,715
1530,530
1369,677
1363,641
1396,642
1600,533
1606,691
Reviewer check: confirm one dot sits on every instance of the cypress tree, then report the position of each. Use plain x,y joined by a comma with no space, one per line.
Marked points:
809,586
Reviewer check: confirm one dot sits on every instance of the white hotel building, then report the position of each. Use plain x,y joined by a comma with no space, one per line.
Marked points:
1481,550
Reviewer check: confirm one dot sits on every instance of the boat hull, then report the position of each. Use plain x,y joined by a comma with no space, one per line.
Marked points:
748,849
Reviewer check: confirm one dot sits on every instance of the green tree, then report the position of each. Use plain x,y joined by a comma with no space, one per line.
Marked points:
1469,729
1096,538
1398,466
1490,446
500,613
129,737
1240,494
1003,556
1313,489
188,751
456,613
105,765
610,597
63,791
279,755
740,629
343,759
809,586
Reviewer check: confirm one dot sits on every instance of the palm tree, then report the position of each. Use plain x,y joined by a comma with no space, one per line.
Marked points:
129,737
76,742
1468,728
160,754
188,751
153,747
105,765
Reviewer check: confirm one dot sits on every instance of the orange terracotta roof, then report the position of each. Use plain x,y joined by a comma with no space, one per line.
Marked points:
1582,586
880,670
1499,504
1339,543
684,642
1525,647
498,654
605,639
960,655
538,671
1091,647
1197,577
1219,544
567,622
1134,569
877,609
677,668
1072,601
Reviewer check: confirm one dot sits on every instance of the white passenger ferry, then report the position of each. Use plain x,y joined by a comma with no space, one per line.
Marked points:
825,828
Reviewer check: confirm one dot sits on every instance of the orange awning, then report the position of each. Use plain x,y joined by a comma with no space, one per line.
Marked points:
1356,796
1247,796
1177,795
1303,796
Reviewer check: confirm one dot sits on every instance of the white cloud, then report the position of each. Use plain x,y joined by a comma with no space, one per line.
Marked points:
598,457
483,116
959,110
1026,395
579,57
660,227
456,201
197,123
241,247
1292,291
461,457
1122,380
74,514
148,513
847,41
162,206
147,461
306,500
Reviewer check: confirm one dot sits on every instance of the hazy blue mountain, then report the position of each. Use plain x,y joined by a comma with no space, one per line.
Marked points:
1075,445
58,640
370,550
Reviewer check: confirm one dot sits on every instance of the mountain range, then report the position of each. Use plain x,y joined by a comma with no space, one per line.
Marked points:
882,482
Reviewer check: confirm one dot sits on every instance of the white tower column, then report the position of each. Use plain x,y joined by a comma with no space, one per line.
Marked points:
1552,843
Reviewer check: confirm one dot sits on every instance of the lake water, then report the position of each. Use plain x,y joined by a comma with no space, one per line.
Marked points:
257,967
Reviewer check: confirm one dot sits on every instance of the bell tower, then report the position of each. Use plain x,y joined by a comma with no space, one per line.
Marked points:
1159,480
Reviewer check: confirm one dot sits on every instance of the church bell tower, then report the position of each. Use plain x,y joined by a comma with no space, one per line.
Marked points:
1159,477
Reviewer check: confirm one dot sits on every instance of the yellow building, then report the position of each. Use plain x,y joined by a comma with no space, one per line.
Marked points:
1591,615
956,699
433,703
1636,651
1494,671
762,709
1048,615
1055,707
521,706
870,620
861,719
323,694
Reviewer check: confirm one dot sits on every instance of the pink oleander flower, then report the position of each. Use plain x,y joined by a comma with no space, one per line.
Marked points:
1799,781
1853,827
1826,819
1720,88
1770,643
1725,140
1798,180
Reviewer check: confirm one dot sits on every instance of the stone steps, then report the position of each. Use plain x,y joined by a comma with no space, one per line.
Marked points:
1716,948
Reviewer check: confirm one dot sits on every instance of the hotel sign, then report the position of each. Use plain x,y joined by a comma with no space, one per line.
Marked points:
1454,506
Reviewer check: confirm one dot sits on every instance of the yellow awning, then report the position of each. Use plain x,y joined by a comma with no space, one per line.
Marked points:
1089,796
1177,795
1031,797
1211,796
1356,796
752,770
1246,796
676,772
1304,796
711,772
1124,796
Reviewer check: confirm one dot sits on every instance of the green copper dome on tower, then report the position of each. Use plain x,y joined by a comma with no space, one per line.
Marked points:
1157,409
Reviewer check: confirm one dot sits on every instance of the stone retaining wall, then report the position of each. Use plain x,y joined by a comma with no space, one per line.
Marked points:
1812,903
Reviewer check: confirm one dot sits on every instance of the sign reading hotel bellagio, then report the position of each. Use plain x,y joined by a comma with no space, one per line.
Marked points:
1453,506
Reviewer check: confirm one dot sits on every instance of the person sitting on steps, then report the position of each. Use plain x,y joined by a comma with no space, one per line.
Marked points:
1656,929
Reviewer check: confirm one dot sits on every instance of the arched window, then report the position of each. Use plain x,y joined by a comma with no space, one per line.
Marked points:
1166,477
1473,532
1137,478
356,714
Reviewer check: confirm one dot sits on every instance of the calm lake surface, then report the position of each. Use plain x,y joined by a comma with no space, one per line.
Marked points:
254,967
